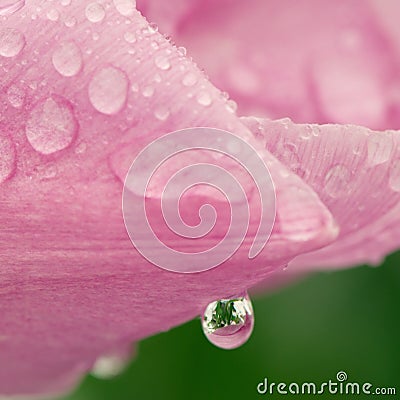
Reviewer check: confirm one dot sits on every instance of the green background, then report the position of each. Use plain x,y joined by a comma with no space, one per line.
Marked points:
346,320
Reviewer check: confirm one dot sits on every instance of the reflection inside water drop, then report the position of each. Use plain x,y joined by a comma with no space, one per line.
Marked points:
228,323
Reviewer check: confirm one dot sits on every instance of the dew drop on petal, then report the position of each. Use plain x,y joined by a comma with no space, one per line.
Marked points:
129,37
16,96
379,148
125,7
8,7
67,59
7,159
190,79
204,99
52,125
95,12
394,177
53,15
108,90
231,106
148,91
161,113
162,62
109,366
337,181
12,41
228,323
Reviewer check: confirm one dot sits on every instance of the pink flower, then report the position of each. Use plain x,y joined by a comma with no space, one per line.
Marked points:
85,86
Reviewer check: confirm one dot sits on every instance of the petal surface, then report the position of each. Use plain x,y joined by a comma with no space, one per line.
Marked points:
79,86
356,173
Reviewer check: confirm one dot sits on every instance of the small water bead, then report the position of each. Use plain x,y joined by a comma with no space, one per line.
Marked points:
52,125
109,366
95,12
108,90
162,62
380,146
16,96
337,181
65,3
306,133
190,79
7,159
228,323
148,91
394,177
125,7
67,59
182,51
204,99
53,15
12,41
130,37
9,7
161,113
70,22
231,106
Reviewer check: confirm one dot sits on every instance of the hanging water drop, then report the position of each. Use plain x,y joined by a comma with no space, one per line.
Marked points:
9,7
12,41
52,125
228,323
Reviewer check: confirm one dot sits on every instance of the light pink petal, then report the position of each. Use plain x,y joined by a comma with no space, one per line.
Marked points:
356,173
312,60
83,85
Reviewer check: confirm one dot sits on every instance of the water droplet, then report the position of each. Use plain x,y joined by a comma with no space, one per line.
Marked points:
394,178
108,90
380,147
52,125
190,79
53,15
109,366
80,148
95,12
204,99
12,41
162,62
130,37
306,132
161,113
67,59
152,28
231,106
8,7
16,96
125,7
70,22
337,181
148,91
182,51
65,3
228,323
7,159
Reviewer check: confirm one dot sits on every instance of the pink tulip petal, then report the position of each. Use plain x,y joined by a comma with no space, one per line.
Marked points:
84,84
356,173
312,60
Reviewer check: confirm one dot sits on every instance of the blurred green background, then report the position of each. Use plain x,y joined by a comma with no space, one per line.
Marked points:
346,320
